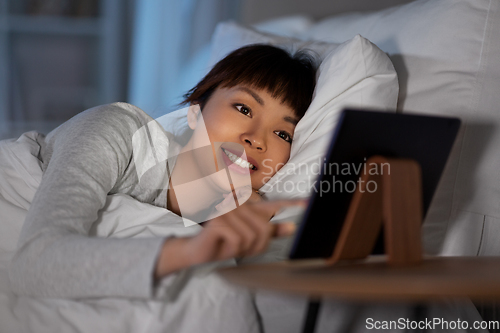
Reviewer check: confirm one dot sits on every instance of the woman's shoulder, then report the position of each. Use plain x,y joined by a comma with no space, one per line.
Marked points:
115,121
101,130
114,115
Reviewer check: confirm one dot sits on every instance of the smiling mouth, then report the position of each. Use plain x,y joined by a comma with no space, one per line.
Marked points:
238,160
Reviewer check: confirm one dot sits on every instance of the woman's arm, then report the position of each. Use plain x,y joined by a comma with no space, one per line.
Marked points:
55,258
242,232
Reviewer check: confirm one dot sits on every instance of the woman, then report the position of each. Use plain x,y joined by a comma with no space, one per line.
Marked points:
252,99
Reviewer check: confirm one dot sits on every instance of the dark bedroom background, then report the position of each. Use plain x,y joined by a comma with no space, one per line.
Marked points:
60,57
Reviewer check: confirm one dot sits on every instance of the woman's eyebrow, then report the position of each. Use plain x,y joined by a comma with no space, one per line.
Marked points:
253,94
292,120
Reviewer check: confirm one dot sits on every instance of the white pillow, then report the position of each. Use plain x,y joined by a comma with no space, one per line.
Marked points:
355,73
446,55
437,39
229,36
290,26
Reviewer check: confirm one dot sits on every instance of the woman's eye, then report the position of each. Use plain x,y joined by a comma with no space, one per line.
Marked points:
285,136
243,109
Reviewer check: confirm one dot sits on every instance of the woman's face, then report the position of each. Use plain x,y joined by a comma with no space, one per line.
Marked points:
249,118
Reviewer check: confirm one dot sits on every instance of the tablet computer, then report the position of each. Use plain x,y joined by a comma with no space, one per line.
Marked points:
359,135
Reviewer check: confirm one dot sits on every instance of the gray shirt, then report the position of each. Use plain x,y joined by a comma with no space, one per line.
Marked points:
84,160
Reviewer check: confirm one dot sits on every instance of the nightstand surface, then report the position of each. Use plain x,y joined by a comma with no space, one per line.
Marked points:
375,280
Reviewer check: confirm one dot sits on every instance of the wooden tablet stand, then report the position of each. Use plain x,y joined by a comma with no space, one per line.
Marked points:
392,196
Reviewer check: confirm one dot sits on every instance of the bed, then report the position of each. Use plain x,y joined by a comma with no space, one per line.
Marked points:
428,56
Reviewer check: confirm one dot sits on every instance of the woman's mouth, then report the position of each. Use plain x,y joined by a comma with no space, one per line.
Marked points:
235,159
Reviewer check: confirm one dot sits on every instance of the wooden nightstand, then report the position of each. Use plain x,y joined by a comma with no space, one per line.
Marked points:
374,279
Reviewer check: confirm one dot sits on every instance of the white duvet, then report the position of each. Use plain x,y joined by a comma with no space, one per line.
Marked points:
198,301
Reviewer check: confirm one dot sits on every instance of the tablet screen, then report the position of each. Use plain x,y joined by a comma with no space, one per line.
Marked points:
359,135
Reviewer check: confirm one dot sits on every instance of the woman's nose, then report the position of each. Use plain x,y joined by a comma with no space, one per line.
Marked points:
255,141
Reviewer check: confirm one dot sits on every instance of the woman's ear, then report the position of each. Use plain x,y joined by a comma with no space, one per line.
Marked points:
192,115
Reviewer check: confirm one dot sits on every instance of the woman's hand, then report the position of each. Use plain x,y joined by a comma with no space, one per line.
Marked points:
244,231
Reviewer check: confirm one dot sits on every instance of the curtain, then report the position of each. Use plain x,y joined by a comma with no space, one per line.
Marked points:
170,43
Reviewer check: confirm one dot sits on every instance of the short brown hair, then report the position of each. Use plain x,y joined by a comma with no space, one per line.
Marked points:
289,77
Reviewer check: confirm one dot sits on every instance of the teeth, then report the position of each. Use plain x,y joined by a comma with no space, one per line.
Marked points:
238,160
